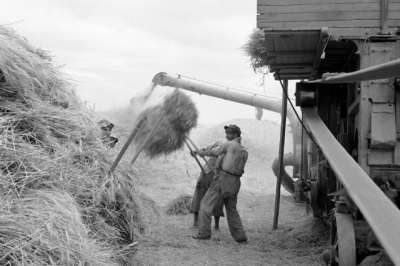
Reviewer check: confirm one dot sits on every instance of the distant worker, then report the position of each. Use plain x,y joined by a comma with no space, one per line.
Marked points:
232,158
204,181
106,128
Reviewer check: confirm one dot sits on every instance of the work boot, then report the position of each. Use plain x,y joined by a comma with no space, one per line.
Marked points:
216,220
201,237
242,240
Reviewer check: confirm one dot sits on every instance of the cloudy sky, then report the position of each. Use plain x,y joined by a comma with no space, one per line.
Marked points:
112,49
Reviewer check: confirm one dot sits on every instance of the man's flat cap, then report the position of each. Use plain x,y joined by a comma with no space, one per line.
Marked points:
233,129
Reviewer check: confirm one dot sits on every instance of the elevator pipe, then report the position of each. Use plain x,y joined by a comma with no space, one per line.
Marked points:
252,99
248,98
287,181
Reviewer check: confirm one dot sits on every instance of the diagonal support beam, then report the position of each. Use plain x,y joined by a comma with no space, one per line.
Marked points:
381,214
281,154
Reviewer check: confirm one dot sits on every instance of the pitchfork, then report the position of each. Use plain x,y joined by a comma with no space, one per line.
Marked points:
130,139
192,147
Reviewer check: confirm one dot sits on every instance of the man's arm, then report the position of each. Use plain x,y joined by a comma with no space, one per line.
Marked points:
213,151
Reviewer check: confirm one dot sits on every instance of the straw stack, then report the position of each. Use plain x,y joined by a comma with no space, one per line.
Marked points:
180,205
180,116
45,228
54,170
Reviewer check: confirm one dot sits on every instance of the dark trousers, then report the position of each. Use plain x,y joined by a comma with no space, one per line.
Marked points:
202,185
225,189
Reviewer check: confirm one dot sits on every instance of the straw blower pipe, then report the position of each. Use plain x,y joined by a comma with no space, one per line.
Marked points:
247,98
230,94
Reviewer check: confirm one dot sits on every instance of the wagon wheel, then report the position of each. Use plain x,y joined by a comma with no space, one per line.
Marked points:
343,240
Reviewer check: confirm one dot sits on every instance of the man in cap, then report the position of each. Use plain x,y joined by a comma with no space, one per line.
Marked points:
232,158
203,183
106,128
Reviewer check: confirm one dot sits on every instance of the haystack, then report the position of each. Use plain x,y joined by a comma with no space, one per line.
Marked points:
45,228
256,49
51,152
180,206
180,116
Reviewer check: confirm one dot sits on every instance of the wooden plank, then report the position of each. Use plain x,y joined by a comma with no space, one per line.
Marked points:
292,66
380,157
337,33
313,2
397,154
319,16
290,53
294,34
324,7
322,24
300,43
295,59
295,71
393,14
318,24
293,75
383,17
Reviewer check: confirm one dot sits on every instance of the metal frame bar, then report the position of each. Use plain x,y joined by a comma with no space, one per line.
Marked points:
381,214
281,154
386,70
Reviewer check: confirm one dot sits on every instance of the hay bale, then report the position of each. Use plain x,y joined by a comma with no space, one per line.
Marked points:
180,205
45,228
256,49
180,117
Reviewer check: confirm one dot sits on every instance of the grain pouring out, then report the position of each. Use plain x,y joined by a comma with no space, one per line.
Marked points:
179,117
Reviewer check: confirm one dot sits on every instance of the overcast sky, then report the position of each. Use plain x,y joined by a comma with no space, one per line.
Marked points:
112,49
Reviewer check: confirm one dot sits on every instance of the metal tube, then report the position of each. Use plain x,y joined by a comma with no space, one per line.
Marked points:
252,99
381,214
384,12
286,180
281,152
